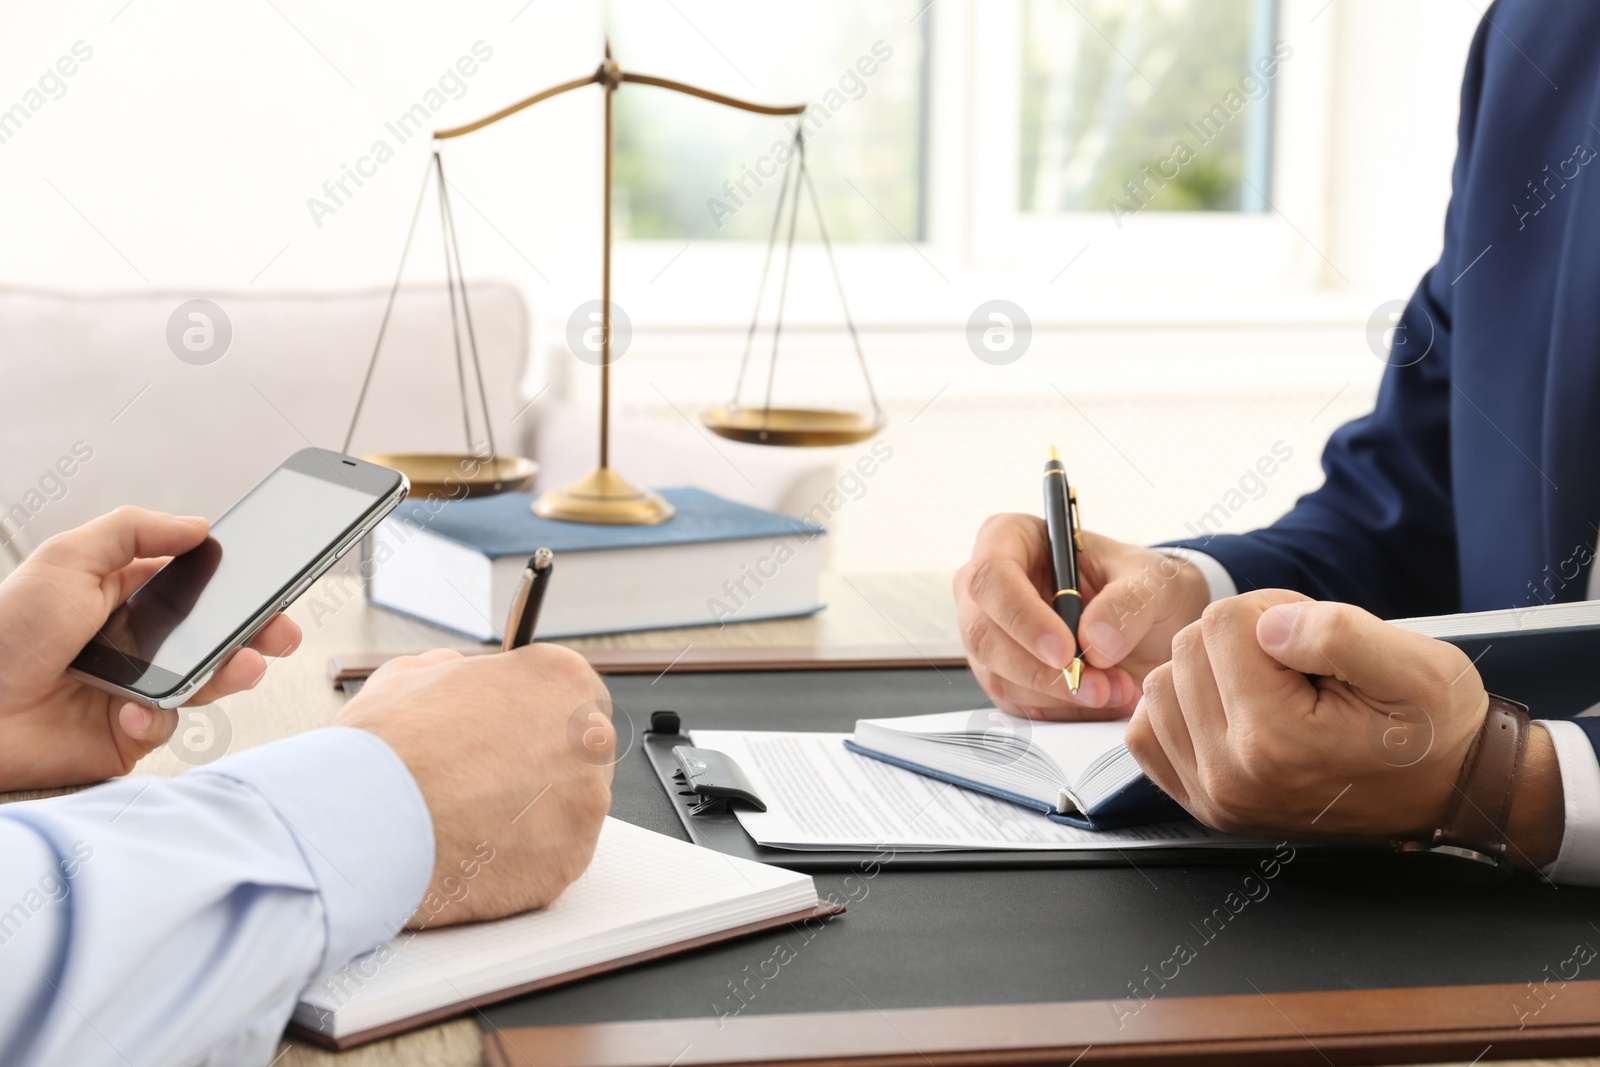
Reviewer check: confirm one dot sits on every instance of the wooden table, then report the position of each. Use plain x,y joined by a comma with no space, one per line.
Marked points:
910,614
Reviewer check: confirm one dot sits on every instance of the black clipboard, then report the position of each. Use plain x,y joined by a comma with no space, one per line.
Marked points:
714,824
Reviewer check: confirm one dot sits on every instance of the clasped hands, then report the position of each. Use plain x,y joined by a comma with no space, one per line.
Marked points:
1369,746
1265,713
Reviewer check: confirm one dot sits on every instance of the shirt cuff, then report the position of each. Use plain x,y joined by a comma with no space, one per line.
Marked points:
1578,862
1219,583
360,822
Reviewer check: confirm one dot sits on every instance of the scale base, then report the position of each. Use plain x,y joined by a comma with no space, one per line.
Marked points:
605,497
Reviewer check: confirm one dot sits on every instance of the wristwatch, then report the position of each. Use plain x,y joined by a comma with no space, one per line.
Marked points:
1471,845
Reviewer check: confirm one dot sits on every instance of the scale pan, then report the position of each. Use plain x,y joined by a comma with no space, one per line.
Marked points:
791,427
443,475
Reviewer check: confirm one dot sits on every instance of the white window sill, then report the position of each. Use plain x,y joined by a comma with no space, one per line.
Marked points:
1128,347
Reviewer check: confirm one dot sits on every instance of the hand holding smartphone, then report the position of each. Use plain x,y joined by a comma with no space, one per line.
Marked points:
167,639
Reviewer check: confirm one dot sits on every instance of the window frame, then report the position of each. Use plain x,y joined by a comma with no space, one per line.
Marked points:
1264,250
977,243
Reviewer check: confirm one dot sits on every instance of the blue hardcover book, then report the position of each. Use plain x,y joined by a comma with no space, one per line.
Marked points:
1077,773
456,564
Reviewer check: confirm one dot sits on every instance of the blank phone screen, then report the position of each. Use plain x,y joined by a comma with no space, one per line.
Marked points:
201,600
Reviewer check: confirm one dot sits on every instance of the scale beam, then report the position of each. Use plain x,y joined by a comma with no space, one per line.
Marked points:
715,98
605,73
507,112
604,496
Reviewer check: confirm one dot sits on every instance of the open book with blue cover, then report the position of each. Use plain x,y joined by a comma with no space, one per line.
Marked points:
1077,773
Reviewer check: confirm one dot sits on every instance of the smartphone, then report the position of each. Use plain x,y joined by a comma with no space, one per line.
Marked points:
170,636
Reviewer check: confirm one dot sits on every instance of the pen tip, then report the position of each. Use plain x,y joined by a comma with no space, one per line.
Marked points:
1074,673
1055,456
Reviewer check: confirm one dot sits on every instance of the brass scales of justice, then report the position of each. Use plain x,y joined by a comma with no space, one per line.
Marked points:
604,495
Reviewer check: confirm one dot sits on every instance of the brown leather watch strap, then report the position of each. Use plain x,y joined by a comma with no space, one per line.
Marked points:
1481,807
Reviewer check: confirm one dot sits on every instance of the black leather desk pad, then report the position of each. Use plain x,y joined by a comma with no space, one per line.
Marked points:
931,938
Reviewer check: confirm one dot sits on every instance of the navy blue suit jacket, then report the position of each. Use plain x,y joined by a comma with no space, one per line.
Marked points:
1475,482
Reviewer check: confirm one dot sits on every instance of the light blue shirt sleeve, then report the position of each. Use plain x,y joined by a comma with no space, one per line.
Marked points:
176,921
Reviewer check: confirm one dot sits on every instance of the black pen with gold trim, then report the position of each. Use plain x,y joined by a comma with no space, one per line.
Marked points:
1066,541
527,600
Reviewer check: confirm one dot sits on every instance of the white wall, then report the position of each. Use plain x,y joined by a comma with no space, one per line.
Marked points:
194,136
1397,80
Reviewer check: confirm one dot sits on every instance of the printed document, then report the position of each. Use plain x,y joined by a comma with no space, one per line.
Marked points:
820,795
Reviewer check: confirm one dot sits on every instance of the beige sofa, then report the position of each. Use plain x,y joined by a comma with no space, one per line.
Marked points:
102,401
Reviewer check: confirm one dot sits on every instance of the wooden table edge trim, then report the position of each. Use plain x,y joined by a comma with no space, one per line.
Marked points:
1362,1026
345,666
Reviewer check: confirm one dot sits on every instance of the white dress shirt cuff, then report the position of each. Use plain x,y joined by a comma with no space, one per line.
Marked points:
360,822
1219,582
1578,862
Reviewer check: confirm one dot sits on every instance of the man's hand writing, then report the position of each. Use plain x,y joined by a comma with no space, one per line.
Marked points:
1135,600
513,754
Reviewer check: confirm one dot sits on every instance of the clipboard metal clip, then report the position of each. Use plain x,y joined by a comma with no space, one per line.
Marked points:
713,778
716,778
